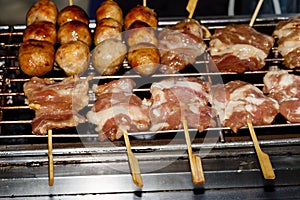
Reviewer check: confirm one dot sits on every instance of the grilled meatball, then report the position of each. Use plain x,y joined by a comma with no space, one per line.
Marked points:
42,31
142,14
72,13
108,56
42,10
109,9
36,58
107,28
73,31
73,57
139,34
144,58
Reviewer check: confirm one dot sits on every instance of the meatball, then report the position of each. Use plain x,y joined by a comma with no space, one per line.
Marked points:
140,35
108,56
109,9
73,31
42,10
72,13
107,28
144,58
42,31
140,13
36,58
73,57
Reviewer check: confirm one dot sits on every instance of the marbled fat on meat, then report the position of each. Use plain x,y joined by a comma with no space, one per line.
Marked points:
56,104
238,101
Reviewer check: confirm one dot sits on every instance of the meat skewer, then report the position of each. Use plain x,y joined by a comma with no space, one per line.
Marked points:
263,158
110,51
140,24
116,111
177,102
195,161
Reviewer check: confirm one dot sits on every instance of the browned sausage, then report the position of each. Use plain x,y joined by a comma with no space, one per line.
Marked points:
142,14
42,31
107,28
73,31
109,9
144,58
43,10
72,13
36,58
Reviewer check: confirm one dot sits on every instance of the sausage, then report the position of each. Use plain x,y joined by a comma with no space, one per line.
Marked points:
73,57
72,13
142,14
109,9
108,56
107,28
42,31
42,10
73,31
36,58
144,58
141,34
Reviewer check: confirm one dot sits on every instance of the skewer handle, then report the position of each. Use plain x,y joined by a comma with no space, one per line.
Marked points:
263,158
255,12
145,3
133,162
50,160
195,161
191,7
70,2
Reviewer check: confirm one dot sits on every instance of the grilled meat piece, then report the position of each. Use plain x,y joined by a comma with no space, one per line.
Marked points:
237,101
285,88
117,110
239,48
173,97
56,104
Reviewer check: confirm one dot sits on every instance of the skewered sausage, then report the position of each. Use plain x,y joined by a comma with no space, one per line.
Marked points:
42,10
73,57
73,31
144,58
109,9
36,58
107,28
72,13
108,56
42,31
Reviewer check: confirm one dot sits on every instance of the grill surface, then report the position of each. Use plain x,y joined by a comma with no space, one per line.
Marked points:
86,167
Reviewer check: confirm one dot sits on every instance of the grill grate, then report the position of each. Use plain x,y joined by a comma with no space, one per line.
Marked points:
75,149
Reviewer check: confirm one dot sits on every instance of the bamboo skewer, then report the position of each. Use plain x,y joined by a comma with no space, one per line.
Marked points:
133,162
145,3
50,160
255,12
195,161
70,2
263,158
191,6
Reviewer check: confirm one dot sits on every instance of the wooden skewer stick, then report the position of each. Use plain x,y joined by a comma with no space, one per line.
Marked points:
255,12
195,161
133,162
70,2
145,3
263,158
50,159
191,7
